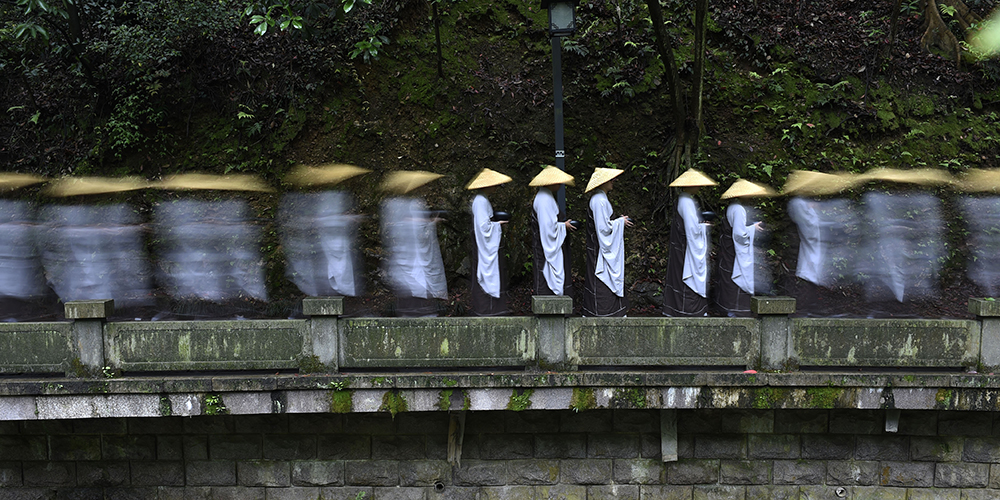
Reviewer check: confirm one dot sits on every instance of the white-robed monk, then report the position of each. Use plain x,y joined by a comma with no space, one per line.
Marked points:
604,281
550,246
809,265
685,290
318,232
825,227
736,259
489,290
414,265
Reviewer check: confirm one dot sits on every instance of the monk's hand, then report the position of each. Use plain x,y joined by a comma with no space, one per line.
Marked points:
628,221
759,225
569,225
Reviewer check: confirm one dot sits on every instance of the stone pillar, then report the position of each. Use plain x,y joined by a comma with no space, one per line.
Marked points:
324,336
776,349
987,311
551,311
88,334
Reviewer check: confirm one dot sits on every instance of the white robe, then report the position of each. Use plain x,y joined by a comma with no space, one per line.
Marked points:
487,246
610,266
552,234
696,252
415,266
318,238
810,263
743,236
336,229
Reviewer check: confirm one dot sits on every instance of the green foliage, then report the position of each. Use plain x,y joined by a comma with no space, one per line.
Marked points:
368,48
213,405
341,400
308,16
636,397
583,399
288,14
444,399
520,401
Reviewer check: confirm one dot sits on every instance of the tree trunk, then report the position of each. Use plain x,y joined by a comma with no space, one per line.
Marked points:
700,16
666,51
938,39
437,36
893,28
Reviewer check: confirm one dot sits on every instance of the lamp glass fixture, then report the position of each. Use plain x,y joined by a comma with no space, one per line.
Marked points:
562,18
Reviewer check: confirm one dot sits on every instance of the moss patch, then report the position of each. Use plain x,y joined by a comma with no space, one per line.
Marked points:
444,399
944,398
393,402
634,397
765,398
520,402
823,397
583,399
341,402
311,364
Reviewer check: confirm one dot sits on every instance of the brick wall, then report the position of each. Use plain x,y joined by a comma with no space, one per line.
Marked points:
724,454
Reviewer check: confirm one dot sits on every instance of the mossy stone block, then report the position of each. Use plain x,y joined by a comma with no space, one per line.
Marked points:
205,345
438,342
663,341
985,308
886,342
35,347
89,309
554,305
772,305
323,306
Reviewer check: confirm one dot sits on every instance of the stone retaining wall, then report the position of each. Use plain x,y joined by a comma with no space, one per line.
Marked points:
588,455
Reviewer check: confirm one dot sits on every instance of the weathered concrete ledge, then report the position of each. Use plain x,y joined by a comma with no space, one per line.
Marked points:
125,397
327,343
663,341
204,345
870,342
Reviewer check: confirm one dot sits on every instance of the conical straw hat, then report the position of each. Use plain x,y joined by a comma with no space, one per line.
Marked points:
600,176
79,186
487,178
919,176
809,183
980,181
404,181
692,178
10,181
323,175
551,175
746,189
189,182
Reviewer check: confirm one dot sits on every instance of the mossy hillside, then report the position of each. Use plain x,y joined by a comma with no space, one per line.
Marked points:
768,111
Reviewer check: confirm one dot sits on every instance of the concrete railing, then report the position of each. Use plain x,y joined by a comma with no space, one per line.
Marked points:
326,342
